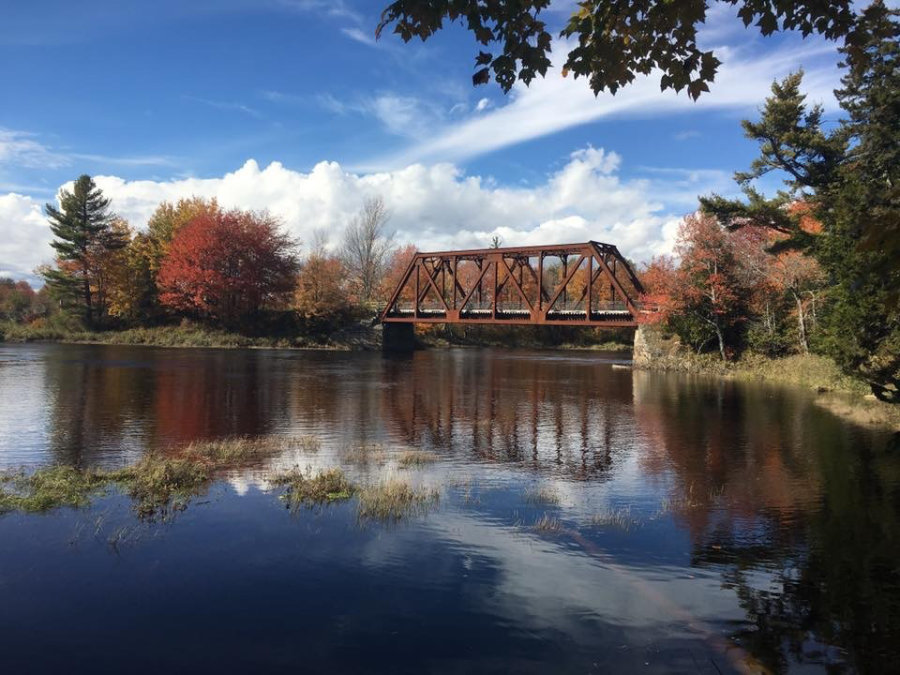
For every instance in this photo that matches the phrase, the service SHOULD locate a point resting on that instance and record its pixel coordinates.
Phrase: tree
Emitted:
(615, 39)
(366, 248)
(168, 218)
(82, 227)
(847, 180)
(17, 300)
(701, 298)
(228, 265)
(321, 294)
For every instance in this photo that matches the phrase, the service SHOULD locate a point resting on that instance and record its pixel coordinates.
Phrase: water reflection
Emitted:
(758, 516)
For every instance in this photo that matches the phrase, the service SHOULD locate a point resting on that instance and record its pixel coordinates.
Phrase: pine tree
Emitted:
(81, 227)
(847, 180)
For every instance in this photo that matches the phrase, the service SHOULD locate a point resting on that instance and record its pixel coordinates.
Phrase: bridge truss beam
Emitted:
(589, 284)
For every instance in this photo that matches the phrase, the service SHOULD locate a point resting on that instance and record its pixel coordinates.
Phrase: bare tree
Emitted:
(366, 247)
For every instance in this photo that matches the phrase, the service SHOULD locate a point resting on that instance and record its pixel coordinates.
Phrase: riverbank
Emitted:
(836, 391)
(353, 337)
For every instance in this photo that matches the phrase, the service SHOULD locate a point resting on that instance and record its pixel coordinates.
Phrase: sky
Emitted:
(294, 106)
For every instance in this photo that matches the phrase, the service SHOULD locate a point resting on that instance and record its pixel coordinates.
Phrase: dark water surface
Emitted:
(697, 525)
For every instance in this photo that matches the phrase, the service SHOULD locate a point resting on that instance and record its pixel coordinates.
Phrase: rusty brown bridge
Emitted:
(588, 284)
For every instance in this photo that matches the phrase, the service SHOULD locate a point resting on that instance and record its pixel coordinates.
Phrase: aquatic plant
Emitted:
(393, 499)
(304, 488)
(615, 518)
(542, 495)
(548, 523)
(412, 458)
(49, 488)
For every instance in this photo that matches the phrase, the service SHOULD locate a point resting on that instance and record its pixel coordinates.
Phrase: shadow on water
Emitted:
(591, 518)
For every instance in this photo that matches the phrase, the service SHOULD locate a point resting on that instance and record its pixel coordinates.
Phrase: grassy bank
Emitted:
(179, 336)
(844, 395)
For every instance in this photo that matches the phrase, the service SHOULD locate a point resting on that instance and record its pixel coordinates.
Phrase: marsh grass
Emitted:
(306, 489)
(416, 458)
(363, 455)
(620, 519)
(159, 484)
(50, 488)
(394, 499)
(542, 495)
(548, 523)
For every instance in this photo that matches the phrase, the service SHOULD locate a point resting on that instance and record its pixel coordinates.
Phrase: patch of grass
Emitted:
(394, 499)
(49, 488)
(412, 458)
(542, 495)
(159, 483)
(619, 519)
(365, 454)
(304, 488)
(162, 485)
(548, 523)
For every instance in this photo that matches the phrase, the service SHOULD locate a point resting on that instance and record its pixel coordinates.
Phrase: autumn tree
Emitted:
(83, 235)
(169, 218)
(366, 247)
(703, 300)
(613, 40)
(322, 297)
(18, 300)
(848, 177)
(395, 268)
(227, 266)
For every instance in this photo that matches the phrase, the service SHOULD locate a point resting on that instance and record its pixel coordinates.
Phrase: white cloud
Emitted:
(433, 207)
(360, 36)
(21, 149)
(555, 103)
(24, 236)
(482, 105)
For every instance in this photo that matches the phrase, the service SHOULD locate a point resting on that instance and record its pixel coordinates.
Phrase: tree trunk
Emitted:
(801, 324)
(721, 343)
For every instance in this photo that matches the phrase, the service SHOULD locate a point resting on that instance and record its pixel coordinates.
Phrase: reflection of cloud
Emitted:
(545, 586)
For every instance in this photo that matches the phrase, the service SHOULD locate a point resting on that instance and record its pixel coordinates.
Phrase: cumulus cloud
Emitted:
(433, 206)
(24, 236)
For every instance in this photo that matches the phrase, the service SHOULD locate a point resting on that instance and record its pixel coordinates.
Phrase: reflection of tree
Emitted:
(572, 415)
(107, 400)
(799, 511)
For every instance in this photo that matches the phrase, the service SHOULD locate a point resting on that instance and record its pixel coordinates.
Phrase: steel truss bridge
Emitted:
(589, 284)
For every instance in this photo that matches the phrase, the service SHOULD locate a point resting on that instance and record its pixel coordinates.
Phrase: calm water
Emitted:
(704, 526)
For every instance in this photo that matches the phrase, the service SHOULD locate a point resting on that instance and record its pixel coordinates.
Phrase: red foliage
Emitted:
(227, 265)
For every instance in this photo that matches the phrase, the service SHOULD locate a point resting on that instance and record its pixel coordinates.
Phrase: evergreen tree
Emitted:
(847, 180)
(81, 227)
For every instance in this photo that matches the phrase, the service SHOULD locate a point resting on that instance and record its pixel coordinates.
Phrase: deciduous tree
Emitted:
(366, 247)
(226, 266)
(614, 40)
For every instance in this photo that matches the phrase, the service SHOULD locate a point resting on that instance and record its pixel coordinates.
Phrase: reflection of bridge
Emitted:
(536, 285)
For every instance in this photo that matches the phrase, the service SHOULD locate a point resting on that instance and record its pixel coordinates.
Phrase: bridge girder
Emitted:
(526, 285)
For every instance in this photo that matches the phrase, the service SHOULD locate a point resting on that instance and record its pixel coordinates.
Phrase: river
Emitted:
(591, 519)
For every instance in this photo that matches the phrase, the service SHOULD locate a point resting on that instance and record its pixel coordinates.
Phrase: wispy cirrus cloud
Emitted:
(226, 105)
(555, 103)
(22, 149)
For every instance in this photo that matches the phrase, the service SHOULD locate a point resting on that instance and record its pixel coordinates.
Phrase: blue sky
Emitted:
(292, 105)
